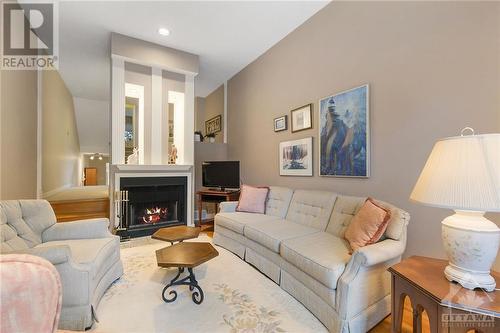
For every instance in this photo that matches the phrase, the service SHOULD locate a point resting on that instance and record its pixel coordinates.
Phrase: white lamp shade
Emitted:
(462, 173)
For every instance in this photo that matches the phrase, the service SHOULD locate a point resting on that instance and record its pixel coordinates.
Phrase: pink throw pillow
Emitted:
(368, 225)
(252, 199)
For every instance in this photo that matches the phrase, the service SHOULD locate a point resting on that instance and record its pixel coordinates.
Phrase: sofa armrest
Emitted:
(379, 252)
(75, 277)
(56, 254)
(83, 229)
(365, 279)
(228, 206)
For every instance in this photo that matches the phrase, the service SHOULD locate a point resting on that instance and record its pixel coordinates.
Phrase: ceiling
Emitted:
(227, 35)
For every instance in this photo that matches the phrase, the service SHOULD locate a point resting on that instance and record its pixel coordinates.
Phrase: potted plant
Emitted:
(198, 137)
(211, 137)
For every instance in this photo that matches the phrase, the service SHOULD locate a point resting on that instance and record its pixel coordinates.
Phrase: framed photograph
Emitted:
(213, 125)
(280, 124)
(302, 118)
(296, 157)
(344, 134)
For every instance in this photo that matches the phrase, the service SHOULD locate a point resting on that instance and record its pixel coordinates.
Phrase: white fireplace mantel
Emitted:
(119, 171)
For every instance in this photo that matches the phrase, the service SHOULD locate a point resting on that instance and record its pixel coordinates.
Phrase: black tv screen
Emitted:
(223, 174)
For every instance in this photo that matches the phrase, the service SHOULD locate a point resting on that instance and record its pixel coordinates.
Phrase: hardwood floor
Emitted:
(407, 327)
(385, 325)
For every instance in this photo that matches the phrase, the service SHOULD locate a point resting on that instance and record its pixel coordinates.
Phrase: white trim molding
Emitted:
(189, 97)
(118, 111)
(156, 115)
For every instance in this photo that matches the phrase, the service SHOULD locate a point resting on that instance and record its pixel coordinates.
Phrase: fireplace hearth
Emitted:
(147, 204)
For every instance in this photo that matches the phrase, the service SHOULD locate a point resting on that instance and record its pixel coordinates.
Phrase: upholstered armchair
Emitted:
(85, 253)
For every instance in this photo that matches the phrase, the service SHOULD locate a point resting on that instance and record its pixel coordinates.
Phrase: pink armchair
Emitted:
(30, 294)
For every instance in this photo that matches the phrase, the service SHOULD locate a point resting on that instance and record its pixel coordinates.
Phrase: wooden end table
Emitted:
(450, 307)
(215, 197)
(185, 255)
(176, 234)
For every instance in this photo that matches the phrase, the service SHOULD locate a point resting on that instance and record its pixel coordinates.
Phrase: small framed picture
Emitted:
(213, 125)
(296, 157)
(302, 118)
(280, 124)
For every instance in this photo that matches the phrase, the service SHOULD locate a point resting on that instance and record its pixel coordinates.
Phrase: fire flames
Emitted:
(154, 215)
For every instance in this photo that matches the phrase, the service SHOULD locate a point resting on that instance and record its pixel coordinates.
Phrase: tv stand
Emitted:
(215, 196)
(221, 190)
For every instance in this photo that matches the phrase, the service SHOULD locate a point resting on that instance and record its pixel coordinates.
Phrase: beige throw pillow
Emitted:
(368, 225)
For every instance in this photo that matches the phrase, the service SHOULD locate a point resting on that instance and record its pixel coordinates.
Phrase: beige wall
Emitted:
(214, 106)
(433, 68)
(60, 145)
(199, 114)
(18, 135)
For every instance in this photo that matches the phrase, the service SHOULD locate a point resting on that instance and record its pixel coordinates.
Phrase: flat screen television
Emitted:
(221, 174)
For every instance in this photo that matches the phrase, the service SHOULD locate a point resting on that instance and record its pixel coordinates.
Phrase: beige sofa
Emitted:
(85, 253)
(299, 244)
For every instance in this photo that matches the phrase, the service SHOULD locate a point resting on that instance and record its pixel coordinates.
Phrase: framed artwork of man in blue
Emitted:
(344, 132)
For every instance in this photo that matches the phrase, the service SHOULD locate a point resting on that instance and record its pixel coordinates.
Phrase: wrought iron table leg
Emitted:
(190, 280)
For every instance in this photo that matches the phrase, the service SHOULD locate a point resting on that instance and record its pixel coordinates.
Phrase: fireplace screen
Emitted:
(152, 202)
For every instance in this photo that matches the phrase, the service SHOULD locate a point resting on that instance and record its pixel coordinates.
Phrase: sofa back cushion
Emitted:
(396, 226)
(278, 201)
(343, 211)
(347, 206)
(22, 223)
(311, 208)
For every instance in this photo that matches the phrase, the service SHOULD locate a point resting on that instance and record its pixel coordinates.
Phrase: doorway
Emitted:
(90, 177)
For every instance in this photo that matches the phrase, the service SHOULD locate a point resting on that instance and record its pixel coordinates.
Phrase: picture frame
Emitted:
(301, 118)
(281, 123)
(295, 157)
(344, 134)
(213, 125)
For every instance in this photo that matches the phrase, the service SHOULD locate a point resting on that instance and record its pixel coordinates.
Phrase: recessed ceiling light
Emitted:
(164, 31)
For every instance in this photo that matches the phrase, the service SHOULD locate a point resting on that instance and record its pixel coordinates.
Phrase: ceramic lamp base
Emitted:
(468, 279)
(471, 242)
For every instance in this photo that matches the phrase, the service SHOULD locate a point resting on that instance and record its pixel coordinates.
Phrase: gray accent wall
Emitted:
(433, 68)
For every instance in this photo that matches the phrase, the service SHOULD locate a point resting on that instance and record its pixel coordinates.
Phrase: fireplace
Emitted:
(147, 204)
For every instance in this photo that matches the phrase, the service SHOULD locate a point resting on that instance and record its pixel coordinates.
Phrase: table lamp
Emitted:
(463, 173)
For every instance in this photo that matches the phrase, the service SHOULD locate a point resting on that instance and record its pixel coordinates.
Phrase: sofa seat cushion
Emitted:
(98, 254)
(238, 220)
(271, 233)
(321, 255)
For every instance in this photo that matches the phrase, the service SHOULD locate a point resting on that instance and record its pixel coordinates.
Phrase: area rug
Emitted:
(238, 298)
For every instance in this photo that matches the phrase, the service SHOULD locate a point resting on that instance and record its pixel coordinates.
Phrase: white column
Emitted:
(156, 115)
(189, 121)
(117, 111)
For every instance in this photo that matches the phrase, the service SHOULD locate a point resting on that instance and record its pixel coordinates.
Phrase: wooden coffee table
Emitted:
(176, 234)
(185, 255)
